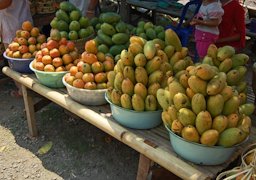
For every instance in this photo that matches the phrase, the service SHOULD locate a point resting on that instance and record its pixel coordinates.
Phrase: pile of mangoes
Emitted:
(90, 71)
(70, 22)
(206, 104)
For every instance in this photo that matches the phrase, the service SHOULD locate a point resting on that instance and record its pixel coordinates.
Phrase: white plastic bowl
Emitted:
(85, 96)
(135, 119)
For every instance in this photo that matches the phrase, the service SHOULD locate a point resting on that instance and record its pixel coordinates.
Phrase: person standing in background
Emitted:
(87, 7)
(232, 28)
(206, 24)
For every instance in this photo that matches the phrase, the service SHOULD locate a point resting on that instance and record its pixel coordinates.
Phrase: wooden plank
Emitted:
(144, 167)
(30, 112)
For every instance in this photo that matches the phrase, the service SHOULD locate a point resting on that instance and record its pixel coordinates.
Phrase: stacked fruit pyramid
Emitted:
(70, 22)
(57, 54)
(206, 103)
(26, 43)
(90, 72)
(113, 34)
(141, 71)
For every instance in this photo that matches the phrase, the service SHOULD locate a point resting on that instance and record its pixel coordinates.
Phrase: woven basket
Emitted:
(45, 6)
(81, 42)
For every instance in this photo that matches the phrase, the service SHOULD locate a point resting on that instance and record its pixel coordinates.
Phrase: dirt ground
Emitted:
(79, 151)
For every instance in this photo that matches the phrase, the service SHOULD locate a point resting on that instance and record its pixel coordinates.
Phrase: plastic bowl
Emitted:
(199, 153)
(19, 65)
(85, 96)
(134, 119)
(49, 79)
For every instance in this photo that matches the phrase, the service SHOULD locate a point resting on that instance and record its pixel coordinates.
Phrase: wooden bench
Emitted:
(153, 144)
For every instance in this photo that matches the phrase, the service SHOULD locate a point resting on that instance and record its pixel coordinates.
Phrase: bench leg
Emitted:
(144, 167)
(30, 112)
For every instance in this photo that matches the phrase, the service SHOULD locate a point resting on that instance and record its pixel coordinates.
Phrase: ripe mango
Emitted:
(160, 42)
(207, 60)
(152, 88)
(155, 77)
(220, 123)
(205, 72)
(169, 51)
(209, 137)
(190, 134)
(245, 124)
(111, 78)
(167, 75)
(215, 105)
(140, 60)
(180, 100)
(119, 67)
(129, 73)
(176, 127)
(141, 90)
(242, 71)
(127, 58)
(127, 87)
(141, 75)
(227, 93)
(149, 49)
(231, 105)
(138, 103)
(165, 67)
(163, 98)
(171, 38)
(225, 52)
(174, 88)
(175, 57)
(135, 48)
(126, 101)
(212, 51)
(242, 97)
(203, 122)
(137, 39)
(150, 103)
(184, 52)
(190, 93)
(153, 64)
(179, 65)
(239, 59)
(231, 137)
(160, 53)
(186, 116)
(197, 84)
(172, 111)
(189, 61)
(225, 65)
(178, 74)
(116, 97)
(233, 77)
(216, 84)
(184, 80)
(166, 119)
(118, 81)
(198, 103)
(232, 120)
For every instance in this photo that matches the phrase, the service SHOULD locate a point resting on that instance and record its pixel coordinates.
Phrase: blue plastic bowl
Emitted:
(199, 153)
(49, 79)
(134, 119)
(19, 65)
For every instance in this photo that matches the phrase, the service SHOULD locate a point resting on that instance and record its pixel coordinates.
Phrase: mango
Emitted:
(190, 134)
(138, 103)
(167, 75)
(141, 90)
(231, 105)
(203, 122)
(216, 84)
(129, 73)
(141, 75)
(212, 51)
(215, 105)
(231, 137)
(245, 124)
(120, 38)
(186, 116)
(243, 98)
(233, 77)
(111, 78)
(171, 38)
(152, 88)
(107, 29)
(190, 93)
(220, 123)
(242, 71)
(127, 58)
(239, 59)
(184, 52)
(155, 77)
(198, 103)
(140, 60)
(207, 60)
(126, 101)
(149, 49)
(166, 119)
(153, 64)
(232, 120)
(163, 98)
(180, 100)
(227, 93)
(108, 93)
(160, 53)
(135, 48)
(247, 109)
(119, 67)
(189, 61)
(209, 137)
(172, 111)
(165, 67)
(197, 84)
(116, 97)
(205, 72)
(191, 70)
(178, 74)
(127, 87)
(169, 51)
(179, 65)
(160, 42)
(174, 88)
(184, 80)
(176, 127)
(150, 103)
(175, 58)
(225, 65)
(225, 52)
(118, 81)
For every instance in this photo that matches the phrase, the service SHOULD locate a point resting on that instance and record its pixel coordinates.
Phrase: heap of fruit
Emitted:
(149, 31)
(113, 34)
(90, 72)
(26, 42)
(70, 22)
(141, 71)
(57, 54)
(206, 104)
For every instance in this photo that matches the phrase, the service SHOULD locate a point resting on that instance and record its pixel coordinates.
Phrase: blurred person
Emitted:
(87, 7)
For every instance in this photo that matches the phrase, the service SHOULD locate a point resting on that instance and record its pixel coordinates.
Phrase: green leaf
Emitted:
(45, 148)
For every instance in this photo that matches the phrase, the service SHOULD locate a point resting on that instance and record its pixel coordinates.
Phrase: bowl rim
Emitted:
(80, 89)
(16, 59)
(129, 110)
(202, 145)
(44, 72)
